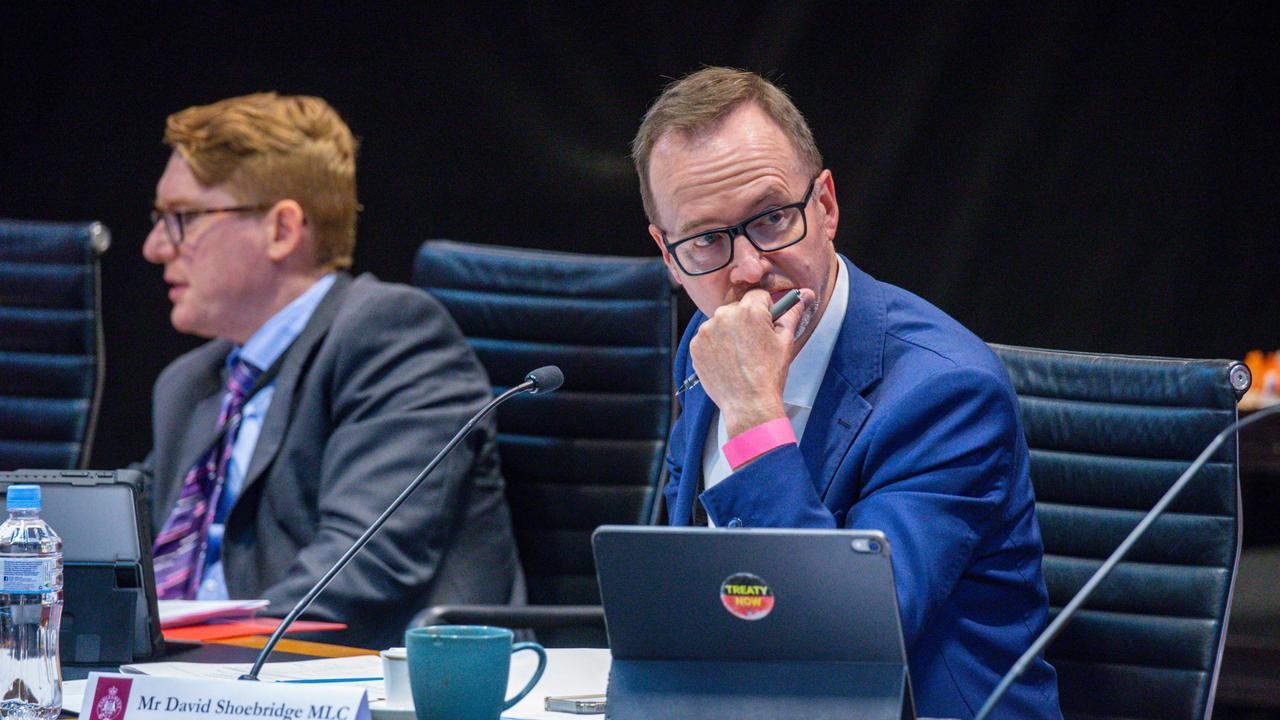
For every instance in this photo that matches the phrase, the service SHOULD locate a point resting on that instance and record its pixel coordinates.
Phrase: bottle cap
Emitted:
(23, 497)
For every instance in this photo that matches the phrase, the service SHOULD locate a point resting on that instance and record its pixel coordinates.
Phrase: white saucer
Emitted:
(379, 710)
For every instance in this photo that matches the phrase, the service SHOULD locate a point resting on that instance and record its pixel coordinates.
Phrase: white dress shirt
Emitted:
(261, 350)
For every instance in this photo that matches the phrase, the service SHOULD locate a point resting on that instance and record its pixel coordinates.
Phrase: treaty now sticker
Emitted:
(747, 596)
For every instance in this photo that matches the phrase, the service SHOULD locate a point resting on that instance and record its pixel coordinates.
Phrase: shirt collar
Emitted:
(276, 335)
(804, 377)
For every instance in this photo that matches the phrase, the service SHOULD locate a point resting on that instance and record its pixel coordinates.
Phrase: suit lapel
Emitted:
(825, 444)
(697, 417)
(292, 374)
(856, 364)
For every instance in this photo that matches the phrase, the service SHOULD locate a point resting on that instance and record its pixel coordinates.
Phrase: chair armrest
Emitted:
(534, 617)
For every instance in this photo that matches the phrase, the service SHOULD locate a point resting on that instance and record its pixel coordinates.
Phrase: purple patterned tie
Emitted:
(180, 546)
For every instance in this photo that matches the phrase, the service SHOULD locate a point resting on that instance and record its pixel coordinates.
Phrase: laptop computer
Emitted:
(109, 594)
(719, 622)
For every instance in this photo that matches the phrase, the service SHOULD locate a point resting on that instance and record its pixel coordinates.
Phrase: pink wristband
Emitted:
(751, 444)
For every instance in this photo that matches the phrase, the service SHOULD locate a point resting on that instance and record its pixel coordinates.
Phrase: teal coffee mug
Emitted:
(460, 671)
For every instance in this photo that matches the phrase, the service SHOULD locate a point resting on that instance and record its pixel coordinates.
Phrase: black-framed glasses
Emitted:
(175, 221)
(768, 231)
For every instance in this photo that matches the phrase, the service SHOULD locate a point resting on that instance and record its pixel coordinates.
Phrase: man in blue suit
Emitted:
(862, 407)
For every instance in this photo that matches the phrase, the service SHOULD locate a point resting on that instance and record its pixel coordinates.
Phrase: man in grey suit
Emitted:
(319, 396)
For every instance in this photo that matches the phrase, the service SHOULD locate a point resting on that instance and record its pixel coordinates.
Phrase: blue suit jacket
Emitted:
(914, 432)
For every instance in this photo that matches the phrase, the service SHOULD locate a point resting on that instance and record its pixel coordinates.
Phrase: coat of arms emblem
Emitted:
(110, 706)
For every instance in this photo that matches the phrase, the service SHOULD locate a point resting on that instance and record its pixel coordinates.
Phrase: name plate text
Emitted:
(114, 696)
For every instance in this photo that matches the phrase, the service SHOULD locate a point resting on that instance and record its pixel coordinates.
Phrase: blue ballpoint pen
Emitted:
(330, 680)
(785, 303)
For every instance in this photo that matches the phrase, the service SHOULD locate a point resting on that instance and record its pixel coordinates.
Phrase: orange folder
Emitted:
(221, 630)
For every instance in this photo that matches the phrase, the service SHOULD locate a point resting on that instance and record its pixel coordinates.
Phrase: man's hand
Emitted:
(741, 356)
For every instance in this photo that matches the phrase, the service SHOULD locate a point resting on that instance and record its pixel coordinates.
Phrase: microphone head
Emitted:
(545, 379)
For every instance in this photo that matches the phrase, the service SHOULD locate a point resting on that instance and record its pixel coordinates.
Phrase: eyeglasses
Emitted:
(175, 221)
(768, 231)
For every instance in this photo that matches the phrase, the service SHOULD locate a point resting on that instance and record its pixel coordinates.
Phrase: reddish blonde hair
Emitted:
(267, 147)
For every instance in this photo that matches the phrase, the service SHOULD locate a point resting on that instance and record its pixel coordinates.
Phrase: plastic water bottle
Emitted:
(30, 610)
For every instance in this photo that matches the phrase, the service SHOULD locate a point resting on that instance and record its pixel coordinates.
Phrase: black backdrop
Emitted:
(1051, 174)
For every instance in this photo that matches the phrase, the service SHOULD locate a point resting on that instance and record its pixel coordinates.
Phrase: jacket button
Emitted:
(735, 522)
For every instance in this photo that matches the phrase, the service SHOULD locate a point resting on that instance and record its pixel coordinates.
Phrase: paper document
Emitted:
(360, 666)
(73, 695)
(176, 613)
(113, 696)
(570, 671)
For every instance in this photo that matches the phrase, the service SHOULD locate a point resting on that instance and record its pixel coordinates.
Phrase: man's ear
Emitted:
(672, 268)
(826, 191)
(288, 230)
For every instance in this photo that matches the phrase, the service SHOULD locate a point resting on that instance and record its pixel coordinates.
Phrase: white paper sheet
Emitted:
(326, 668)
(359, 666)
(177, 613)
(73, 695)
(569, 672)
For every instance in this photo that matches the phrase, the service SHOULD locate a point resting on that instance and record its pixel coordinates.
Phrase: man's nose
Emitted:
(157, 248)
(749, 264)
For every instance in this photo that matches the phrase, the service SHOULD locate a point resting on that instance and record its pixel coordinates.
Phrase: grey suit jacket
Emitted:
(375, 385)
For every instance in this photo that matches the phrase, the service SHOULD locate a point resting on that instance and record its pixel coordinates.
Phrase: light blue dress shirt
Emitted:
(261, 350)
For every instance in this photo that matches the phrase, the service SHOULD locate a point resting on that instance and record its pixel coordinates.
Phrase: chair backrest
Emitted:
(1108, 435)
(50, 342)
(592, 453)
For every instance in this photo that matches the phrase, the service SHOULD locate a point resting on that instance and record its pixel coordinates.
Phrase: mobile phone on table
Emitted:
(576, 704)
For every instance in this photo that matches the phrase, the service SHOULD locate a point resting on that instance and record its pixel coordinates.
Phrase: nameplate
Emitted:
(113, 696)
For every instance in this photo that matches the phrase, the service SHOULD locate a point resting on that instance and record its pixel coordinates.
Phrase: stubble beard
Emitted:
(805, 320)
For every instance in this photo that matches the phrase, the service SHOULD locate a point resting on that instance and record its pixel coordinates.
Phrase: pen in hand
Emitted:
(785, 303)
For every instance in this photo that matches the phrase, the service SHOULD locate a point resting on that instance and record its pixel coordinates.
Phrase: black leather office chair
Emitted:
(50, 342)
(1108, 435)
(592, 453)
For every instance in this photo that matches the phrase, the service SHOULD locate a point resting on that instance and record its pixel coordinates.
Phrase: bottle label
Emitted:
(30, 575)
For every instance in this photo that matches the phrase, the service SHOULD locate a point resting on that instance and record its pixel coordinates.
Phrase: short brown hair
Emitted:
(267, 147)
(700, 101)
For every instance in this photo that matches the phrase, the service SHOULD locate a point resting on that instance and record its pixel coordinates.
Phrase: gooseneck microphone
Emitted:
(1070, 609)
(542, 381)
(546, 379)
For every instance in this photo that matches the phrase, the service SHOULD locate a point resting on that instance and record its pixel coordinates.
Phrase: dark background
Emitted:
(1078, 177)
